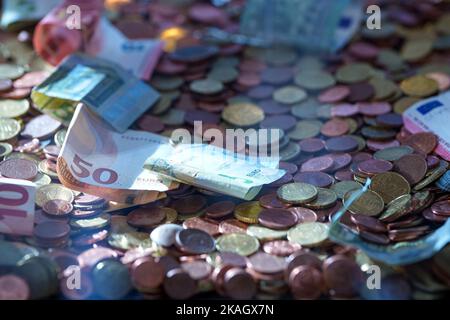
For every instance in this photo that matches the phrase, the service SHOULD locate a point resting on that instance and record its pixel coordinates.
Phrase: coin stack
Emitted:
(339, 122)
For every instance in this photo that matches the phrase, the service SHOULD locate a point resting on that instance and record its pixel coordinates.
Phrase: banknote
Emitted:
(432, 115)
(17, 14)
(97, 156)
(401, 253)
(312, 25)
(111, 92)
(17, 206)
(137, 56)
(54, 39)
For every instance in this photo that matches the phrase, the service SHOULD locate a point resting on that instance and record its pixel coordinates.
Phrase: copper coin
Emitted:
(422, 142)
(58, 207)
(364, 50)
(271, 201)
(322, 163)
(232, 226)
(5, 85)
(343, 175)
(30, 79)
(432, 161)
(220, 209)
(13, 288)
(179, 285)
(51, 230)
(189, 204)
(441, 208)
(344, 110)
(431, 216)
(265, 263)
(340, 161)
(373, 109)
(88, 239)
(334, 94)
(147, 274)
(289, 167)
(282, 248)
(90, 257)
(342, 276)
(334, 127)
(312, 145)
(302, 258)
(378, 238)
(304, 215)
(231, 259)
(376, 145)
(318, 179)
(374, 166)
(368, 223)
(18, 169)
(21, 93)
(277, 218)
(197, 269)
(412, 167)
(271, 107)
(209, 226)
(306, 282)
(360, 92)
(283, 122)
(146, 217)
(341, 144)
(194, 241)
(238, 284)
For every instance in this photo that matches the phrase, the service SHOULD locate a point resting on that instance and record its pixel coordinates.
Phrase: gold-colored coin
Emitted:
(128, 240)
(390, 185)
(384, 88)
(325, 198)
(433, 176)
(310, 234)
(98, 222)
(419, 86)
(239, 243)
(53, 191)
(20, 155)
(248, 212)
(396, 208)
(342, 187)
(182, 217)
(13, 108)
(5, 149)
(60, 136)
(42, 179)
(243, 114)
(289, 95)
(297, 192)
(171, 215)
(369, 203)
(265, 234)
(416, 49)
(9, 128)
(42, 166)
(354, 72)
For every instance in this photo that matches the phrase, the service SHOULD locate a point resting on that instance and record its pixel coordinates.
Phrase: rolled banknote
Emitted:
(401, 253)
(432, 115)
(111, 92)
(18, 14)
(59, 35)
(96, 156)
(312, 25)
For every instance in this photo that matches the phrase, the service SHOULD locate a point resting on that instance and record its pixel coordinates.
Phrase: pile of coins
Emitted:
(339, 119)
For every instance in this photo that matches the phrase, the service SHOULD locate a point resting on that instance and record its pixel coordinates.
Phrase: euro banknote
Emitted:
(97, 156)
(111, 92)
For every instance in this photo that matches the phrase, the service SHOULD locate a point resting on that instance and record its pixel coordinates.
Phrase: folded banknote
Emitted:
(111, 92)
(97, 156)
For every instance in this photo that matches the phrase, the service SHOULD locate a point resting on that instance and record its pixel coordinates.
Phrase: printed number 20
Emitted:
(81, 169)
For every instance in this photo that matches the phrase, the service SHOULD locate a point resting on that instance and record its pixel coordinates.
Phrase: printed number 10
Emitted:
(81, 169)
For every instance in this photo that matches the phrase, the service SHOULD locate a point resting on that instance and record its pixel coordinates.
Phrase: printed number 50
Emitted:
(82, 168)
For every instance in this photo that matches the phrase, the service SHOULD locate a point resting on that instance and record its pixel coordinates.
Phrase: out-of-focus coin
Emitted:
(18, 169)
(243, 114)
(57, 207)
(314, 80)
(419, 86)
(289, 95)
(422, 142)
(9, 128)
(308, 234)
(277, 218)
(265, 234)
(13, 108)
(147, 217)
(393, 153)
(412, 167)
(354, 72)
(194, 241)
(265, 263)
(248, 212)
(206, 86)
(325, 198)
(13, 287)
(10, 71)
(240, 243)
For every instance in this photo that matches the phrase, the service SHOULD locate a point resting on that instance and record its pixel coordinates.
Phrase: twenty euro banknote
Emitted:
(111, 92)
(96, 156)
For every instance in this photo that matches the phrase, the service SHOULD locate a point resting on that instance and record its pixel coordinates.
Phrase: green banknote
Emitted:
(111, 92)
